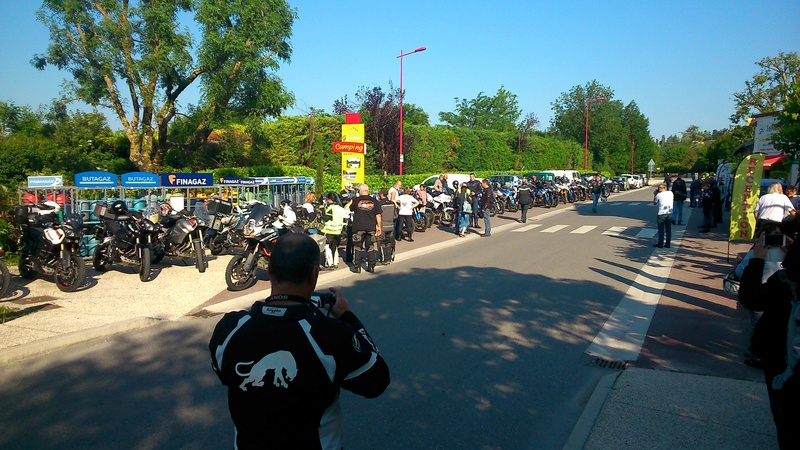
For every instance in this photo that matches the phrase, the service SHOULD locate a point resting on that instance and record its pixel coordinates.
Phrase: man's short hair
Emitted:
(293, 258)
(383, 192)
(775, 188)
(364, 188)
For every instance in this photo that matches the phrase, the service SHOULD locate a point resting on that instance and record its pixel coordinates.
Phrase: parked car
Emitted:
(634, 181)
(644, 178)
(503, 178)
(623, 183)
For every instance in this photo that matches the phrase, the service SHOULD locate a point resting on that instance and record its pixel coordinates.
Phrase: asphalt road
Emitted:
(485, 340)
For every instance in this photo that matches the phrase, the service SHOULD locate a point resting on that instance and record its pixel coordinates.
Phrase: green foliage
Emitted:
(787, 139)
(770, 88)
(137, 59)
(497, 113)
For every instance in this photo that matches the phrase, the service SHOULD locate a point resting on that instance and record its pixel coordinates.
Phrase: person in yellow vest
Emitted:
(333, 217)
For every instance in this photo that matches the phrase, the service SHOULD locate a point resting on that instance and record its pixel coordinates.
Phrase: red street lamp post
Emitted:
(417, 50)
(586, 139)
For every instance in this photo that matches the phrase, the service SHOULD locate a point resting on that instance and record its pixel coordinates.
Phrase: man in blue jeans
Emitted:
(663, 199)
(597, 190)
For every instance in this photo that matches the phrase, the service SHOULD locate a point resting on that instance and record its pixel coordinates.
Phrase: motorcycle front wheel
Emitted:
(6, 279)
(145, 263)
(70, 278)
(101, 260)
(236, 277)
(216, 244)
(199, 256)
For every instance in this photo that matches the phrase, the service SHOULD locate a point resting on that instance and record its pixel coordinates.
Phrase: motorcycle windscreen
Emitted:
(259, 212)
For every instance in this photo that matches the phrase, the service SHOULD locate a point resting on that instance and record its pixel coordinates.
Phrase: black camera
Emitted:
(320, 299)
(773, 240)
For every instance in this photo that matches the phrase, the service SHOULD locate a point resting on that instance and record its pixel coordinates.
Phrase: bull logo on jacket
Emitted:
(281, 363)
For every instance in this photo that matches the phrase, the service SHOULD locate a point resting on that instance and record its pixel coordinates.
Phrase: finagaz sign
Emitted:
(350, 147)
(187, 180)
(95, 180)
(45, 181)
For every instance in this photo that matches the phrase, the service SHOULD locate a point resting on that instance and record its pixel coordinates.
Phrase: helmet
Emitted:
(285, 203)
(51, 207)
(166, 209)
(455, 184)
(119, 207)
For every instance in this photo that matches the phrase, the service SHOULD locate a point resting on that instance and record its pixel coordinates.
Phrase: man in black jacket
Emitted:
(524, 198)
(475, 189)
(386, 242)
(284, 361)
(487, 200)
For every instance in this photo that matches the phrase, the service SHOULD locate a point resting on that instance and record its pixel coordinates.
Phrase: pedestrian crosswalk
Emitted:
(640, 232)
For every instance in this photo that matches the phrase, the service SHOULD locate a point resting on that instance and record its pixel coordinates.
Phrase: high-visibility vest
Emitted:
(335, 225)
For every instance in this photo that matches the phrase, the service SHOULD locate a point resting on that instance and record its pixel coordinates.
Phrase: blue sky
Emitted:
(680, 61)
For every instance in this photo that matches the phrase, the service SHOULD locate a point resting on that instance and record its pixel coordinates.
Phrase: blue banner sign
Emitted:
(95, 180)
(139, 179)
(187, 180)
(46, 181)
(237, 180)
(283, 180)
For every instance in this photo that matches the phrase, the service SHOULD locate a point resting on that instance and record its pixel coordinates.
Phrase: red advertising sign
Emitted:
(349, 147)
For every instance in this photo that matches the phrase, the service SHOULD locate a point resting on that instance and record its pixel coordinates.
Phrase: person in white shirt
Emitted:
(395, 191)
(772, 207)
(663, 199)
(405, 208)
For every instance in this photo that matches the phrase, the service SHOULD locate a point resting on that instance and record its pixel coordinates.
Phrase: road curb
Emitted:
(47, 345)
(583, 428)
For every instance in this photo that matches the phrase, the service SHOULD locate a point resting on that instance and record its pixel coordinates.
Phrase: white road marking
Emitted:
(554, 228)
(584, 229)
(646, 233)
(614, 231)
(623, 334)
(526, 228)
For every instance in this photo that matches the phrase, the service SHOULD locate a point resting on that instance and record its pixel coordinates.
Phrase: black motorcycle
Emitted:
(5, 281)
(181, 236)
(224, 228)
(49, 246)
(261, 232)
(125, 237)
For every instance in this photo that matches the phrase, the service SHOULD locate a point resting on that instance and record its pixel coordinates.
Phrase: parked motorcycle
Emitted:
(509, 195)
(181, 236)
(423, 218)
(224, 229)
(442, 208)
(125, 237)
(5, 281)
(49, 246)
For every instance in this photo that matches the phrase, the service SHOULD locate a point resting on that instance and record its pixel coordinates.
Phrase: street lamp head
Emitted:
(420, 49)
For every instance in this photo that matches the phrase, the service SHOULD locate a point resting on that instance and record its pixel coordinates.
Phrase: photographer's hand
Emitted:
(341, 306)
(759, 250)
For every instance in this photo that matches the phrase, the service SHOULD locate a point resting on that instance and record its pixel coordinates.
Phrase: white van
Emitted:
(460, 177)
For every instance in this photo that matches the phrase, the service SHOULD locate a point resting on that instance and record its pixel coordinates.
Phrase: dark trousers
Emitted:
(386, 245)
(664, 222)
(363, 242)
(708, 217)
(475, 206)
(525, 207)
(406, 222)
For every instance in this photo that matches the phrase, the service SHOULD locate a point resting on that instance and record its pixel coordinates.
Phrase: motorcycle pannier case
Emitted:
(179, 232)
(21, 214)
(219, 206)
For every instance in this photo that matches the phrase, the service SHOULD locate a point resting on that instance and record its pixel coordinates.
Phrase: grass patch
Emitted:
(8, 313)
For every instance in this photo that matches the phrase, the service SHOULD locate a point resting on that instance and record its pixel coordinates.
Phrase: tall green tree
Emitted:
(136, 58)
(770, 88)
(499, 112)
(787, 139)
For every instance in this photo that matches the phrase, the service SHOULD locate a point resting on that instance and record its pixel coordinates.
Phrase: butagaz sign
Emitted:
(95, 180)
(139, 179)
(187, 180)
